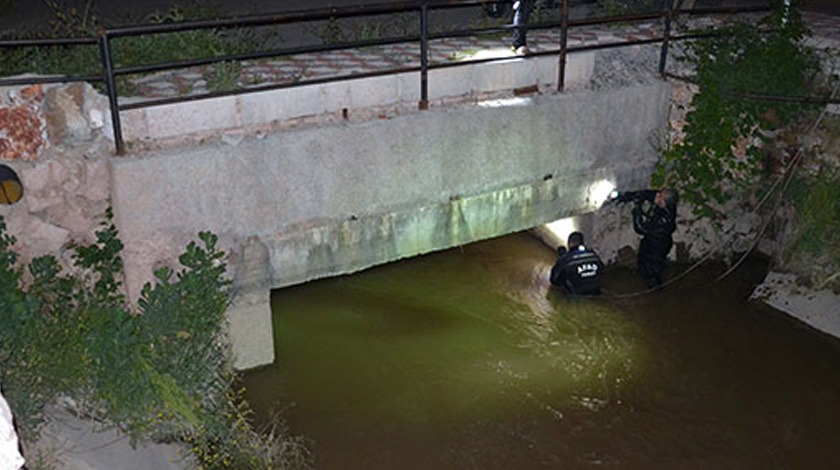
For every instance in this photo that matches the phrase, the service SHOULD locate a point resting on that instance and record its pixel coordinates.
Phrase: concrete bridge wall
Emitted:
(309, 203)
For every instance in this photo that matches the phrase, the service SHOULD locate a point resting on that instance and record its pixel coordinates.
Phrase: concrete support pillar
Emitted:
(249, 315)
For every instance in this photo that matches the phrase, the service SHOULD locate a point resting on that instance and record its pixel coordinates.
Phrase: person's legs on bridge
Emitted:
(521, 13)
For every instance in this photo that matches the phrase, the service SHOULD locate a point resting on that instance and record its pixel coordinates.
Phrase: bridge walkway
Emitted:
(349, 62)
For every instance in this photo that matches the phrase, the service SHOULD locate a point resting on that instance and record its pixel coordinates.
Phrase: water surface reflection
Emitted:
(468, 360)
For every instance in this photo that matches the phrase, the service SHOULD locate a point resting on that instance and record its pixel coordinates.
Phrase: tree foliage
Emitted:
(748, 77)
(163, 371)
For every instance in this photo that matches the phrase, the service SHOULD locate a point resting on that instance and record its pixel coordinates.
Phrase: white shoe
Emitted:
(522, 50)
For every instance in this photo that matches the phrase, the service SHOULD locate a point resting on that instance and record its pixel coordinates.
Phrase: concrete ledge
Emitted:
(71, 443)
(191, 117)
(579, 69)
(816, 308)
(278, 105)
(373, 92)
(505, 75)
(449, 82)
(261, 109)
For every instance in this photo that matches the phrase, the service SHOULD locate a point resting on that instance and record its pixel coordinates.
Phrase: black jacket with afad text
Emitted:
(578, 272)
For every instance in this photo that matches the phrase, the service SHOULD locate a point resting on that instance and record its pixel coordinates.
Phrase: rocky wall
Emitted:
(57, 141)
(786, 288)
(53, 138)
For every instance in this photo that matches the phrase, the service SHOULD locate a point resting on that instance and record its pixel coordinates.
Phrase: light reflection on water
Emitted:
(467, 359)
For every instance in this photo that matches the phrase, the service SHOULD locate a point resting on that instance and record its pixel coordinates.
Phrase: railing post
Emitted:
(424, 56)
(564, 39)
(666, 36)
(110, 84)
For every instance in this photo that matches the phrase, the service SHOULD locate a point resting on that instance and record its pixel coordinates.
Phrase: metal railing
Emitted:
(110, 72)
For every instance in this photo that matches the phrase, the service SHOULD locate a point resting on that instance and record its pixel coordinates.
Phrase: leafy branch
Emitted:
(727, 135)
(164, 372)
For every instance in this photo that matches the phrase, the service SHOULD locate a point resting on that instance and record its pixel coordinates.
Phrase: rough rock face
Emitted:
(64, 111)
(52, 138)
(818, 308)
(22, 124)
(610, 229)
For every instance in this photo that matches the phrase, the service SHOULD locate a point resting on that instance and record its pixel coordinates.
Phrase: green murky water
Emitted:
(468, 360)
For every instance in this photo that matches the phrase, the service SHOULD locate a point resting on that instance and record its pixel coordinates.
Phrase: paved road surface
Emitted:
(25, 15)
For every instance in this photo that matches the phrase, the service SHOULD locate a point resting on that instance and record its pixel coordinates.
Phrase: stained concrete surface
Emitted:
(71, 443)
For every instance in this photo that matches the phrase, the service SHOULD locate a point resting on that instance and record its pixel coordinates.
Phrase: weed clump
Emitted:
(161, 370)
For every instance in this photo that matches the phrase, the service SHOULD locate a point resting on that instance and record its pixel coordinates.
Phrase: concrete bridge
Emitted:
(322, 180)
(338, 196)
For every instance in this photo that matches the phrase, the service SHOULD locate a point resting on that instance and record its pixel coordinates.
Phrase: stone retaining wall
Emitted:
(52, 137)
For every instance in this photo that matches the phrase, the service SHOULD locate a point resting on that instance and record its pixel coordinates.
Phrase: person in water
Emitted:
(655, 219)
(578, 271)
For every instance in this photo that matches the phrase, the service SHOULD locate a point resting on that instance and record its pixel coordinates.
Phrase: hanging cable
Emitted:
(786, 177)
(784, 180)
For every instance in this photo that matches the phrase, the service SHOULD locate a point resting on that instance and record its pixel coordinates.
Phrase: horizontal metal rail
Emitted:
(260, 55)
(48, 42)
(58, 42)
(39, 80)
(722, 10)
(274, 86)
(108, 37)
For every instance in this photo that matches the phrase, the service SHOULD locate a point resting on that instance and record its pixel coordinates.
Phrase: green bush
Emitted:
(127, 51)
(746, 132)
(52, 60)
(42, 340)
(817, 202)
(344, 30)
(605, 8)
(224, 76)
(161, 371)
(741, 62)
